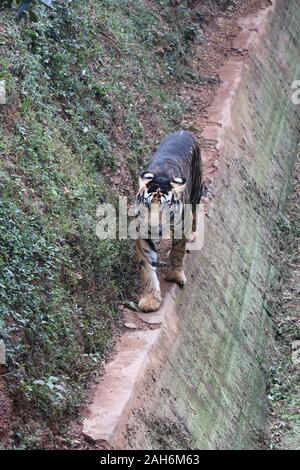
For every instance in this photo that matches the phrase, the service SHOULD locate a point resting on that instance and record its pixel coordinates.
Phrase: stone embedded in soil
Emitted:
(2, 353)
(131, 326)
(296, 353)
(2, 92)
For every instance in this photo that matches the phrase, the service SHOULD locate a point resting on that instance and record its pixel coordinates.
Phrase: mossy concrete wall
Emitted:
(207, 387)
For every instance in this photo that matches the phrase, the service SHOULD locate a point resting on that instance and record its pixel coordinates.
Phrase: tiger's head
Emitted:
(159, 190)
(158, 204)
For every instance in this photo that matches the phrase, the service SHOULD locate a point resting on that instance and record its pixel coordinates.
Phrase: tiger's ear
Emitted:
(178, 184)
(144, 179)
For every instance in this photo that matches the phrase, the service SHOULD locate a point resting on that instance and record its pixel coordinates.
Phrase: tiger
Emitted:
(172, 178)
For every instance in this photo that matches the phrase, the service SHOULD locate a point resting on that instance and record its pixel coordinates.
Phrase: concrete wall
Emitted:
(207, 387)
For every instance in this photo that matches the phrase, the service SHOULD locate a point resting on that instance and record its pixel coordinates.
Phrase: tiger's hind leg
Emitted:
(192, 237)
(147, 260)
(195, 213)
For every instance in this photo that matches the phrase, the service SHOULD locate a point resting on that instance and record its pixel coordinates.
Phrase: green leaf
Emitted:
(48, 3)
(39, 382)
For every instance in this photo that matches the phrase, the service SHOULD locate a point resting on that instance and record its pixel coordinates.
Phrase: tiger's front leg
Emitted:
(147, 260)
(175, 266)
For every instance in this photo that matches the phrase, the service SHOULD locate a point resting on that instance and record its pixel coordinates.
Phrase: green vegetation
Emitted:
(76, 77)
(284, 379)
(23, 8)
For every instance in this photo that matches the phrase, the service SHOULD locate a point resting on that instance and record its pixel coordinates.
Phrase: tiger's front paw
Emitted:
(149, 303)
(176, 276)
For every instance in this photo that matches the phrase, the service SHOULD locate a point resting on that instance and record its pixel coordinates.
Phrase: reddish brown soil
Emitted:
(5, 414)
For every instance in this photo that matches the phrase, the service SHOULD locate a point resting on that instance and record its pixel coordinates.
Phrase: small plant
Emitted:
(24, 7)
(51, 391)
